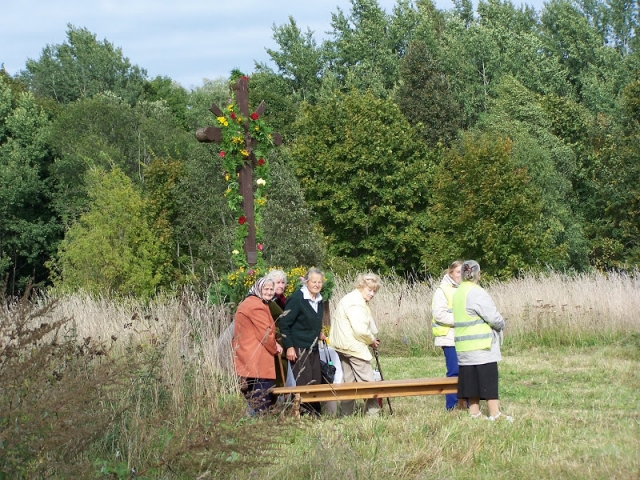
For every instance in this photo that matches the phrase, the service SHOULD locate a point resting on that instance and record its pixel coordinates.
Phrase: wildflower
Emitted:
(233, 115)
(254, 116)
(242, 220)
(235, 252)
(223, 121)
(230, 107)
(260, 246)
(261, 181)
(261, 162)
(226, 176)
(222, 154)
(244, 153)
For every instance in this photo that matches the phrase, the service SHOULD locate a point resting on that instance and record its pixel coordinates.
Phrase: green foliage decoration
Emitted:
(235, 155)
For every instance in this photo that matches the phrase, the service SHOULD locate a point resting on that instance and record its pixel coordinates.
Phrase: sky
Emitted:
(186, 40)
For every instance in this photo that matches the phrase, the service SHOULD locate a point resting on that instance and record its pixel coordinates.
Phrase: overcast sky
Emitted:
(186, 40)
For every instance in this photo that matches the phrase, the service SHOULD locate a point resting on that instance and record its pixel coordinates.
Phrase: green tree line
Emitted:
(411, 138)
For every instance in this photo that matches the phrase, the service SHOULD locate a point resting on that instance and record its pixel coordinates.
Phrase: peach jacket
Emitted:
(254, 340)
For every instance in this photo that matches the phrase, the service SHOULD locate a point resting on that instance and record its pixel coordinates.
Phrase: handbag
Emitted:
(327, 367)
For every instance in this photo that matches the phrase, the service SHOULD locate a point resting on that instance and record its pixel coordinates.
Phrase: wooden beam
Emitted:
(364, 390)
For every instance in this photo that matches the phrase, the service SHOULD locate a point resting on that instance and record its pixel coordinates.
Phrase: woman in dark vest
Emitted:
(301, 330)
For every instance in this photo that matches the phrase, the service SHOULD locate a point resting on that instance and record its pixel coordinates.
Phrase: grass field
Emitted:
(576, 416)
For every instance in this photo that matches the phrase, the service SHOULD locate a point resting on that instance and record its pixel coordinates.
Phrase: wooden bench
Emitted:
(364, 390)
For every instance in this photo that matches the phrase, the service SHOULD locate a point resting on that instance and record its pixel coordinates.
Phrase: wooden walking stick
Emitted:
(375, 353)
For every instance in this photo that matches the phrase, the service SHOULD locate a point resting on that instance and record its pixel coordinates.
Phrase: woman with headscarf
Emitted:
(254, 346)
(442, 324)
(478, 332)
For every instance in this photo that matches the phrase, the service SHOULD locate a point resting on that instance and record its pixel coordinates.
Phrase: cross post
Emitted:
(214, 135)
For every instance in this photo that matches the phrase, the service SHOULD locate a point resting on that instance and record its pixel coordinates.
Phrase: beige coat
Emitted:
(352, 327)
(254, 340)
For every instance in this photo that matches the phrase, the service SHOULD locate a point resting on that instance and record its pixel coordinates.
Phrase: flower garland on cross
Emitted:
(245, 140)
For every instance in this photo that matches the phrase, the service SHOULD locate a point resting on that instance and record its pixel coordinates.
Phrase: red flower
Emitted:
(245, 77)
(221, 154)
(261, 162)
(254, 116)
(260, 247)
(242, 220)
(233, 115)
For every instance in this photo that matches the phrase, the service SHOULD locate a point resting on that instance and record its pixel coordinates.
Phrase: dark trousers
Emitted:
(258, 393)
(306, 371)
(451, 359)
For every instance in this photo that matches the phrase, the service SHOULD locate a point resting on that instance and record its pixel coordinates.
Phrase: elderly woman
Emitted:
(280, 279)
(478, 326)
(254, 346)
(301, 330)
(442, 324)
(353, 331)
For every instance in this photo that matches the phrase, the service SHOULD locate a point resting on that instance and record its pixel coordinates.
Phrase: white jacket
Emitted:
(352, 327)
(443, 314)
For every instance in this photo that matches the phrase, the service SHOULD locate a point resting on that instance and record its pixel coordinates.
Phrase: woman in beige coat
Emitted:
(353, 331)
(254, 346)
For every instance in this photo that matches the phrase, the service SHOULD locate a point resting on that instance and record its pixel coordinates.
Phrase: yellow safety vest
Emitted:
(471, 332)
(437, 329)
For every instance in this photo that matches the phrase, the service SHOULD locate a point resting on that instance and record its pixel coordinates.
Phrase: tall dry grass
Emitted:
(536, 307)
(197, 335)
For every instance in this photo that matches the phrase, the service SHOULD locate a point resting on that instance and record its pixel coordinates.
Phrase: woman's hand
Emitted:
(278, 349)
(322, 337)
(375, 344)
(291, 354)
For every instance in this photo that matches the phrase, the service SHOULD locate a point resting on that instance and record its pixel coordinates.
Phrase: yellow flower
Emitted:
(235, 252)
(244, 153)
(230, 108)
(237, 140)
(261, 201)
(223, 121)
(257, 128)
(227, 192)
(226, 176)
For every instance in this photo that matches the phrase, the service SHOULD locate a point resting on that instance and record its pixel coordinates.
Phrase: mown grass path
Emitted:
(577, 416)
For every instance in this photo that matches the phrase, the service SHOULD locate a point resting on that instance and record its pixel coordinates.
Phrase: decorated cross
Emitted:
(245, 137)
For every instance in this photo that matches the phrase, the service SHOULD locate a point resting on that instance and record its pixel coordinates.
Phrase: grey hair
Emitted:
(370, 280)
(277, 275)
(312, 271)
(470, 271)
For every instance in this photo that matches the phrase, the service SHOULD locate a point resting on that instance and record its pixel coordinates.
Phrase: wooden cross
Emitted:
(214, 134)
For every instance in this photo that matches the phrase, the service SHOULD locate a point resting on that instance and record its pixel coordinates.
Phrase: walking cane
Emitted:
(375, 353)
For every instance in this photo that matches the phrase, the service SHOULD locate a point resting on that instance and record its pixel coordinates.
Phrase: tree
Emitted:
(485, 207)
(29, 229)
(291, 235)
(424, 96)
(299, 59)
(98, 131)
(83, 67)
(361, 51)
(365, 173)
(112, 248)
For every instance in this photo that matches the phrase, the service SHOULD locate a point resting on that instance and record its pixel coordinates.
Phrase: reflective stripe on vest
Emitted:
(437, 329)
(471, 332)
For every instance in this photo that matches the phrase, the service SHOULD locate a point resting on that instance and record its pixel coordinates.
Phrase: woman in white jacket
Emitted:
(442, 325)
(353, 331)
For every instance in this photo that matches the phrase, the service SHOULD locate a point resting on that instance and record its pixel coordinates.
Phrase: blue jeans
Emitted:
(451, 358)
